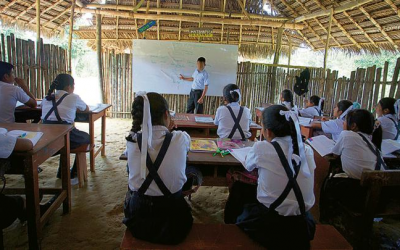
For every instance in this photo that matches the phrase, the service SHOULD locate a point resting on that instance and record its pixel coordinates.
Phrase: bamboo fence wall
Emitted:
(259, 85)
(22, 54)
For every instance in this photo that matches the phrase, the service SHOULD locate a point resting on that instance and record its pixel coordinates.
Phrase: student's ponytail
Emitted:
(50, 95)
(377, 135)
(293, 135)
(61, 82)
(231, 93)
(287, 96)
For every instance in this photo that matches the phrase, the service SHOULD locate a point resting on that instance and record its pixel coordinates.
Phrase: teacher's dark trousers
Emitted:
(192, 104)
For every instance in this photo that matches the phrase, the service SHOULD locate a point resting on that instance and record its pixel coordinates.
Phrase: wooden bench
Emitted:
(81, 164)
(222, 236)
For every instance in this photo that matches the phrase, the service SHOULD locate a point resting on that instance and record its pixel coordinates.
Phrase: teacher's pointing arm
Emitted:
(189, 79)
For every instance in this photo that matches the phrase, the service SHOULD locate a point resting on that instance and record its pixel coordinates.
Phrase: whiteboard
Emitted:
(156, 65)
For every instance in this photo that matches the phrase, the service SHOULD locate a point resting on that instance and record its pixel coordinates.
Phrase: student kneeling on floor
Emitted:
(281, 219)
(155, 208)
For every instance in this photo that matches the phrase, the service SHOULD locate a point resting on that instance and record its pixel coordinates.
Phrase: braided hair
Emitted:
(287, 96)
(61, 82)
(277, 123)
(158, 107)
(231, 97)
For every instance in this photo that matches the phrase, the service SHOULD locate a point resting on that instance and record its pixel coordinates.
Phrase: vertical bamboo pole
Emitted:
(222, 25)
(327, 39)
(38, 65)
(180, 22)
(384, 80)
(278, 46)
(71, 28)
(99, 55)
(290, 50)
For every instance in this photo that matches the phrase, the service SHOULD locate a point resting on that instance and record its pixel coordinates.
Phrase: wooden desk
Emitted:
(187, 121)
(55, 138)
(89, 117)
(307, 131)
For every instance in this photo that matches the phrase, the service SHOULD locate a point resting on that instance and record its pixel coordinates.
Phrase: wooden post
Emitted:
(327, 40)
(71, 29)
(290, 50)
(99, 55)
(278, 46)
(38, 64)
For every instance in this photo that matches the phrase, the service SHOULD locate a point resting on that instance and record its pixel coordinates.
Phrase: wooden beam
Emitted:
(158, 21)
(360, 28)
(306, 39)
(194, 19)
(393, 6)
(325, 12)
(222, 25)
(8, 5)
(243, 7)
(327, 40)
(379, 27)
(259, 33)
(180, 22)
(135, 9)
(117, 25)
(58, 16)
(186, 11)
(99, 55)
(203, 2)
(278, 48)
(39, 84)
(23, 13)
(136, 25)
(71, 30)
(49, 8)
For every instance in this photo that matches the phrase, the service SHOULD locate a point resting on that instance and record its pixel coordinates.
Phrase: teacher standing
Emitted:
(199, 87)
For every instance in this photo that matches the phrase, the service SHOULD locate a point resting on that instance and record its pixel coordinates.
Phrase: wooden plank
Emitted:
(394, 79)
(384, 80)
(377, 88)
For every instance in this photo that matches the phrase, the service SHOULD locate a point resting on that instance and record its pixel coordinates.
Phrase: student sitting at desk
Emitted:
(287, 99)
(314, 107)
(387, 111)
(233, 120)
(281, 219)
(61, 107)
(11, 94)
(359, 148)
(155, 208)
(335, 127)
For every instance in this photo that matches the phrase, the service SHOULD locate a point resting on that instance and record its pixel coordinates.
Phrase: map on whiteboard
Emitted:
(156, 65)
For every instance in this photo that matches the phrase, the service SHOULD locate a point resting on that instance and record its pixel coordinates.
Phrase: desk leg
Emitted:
(103, 134)
(65, 174)
(32, 203)
(91, 133)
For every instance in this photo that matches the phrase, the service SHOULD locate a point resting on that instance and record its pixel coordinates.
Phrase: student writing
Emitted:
(11, 94)
(233, 120)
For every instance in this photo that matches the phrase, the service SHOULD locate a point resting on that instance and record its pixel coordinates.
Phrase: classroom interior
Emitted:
(88, 212)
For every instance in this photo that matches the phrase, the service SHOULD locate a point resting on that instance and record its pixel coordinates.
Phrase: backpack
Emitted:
(301, 86)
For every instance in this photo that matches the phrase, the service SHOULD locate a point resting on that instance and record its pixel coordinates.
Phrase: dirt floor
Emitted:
(97, 208)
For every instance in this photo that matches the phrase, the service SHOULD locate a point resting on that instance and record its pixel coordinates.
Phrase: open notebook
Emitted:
(203, 119)
(322, 144)
(240, 154)
(34, 137)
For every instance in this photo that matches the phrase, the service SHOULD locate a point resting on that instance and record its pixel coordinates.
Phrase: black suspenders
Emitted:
(379, 160)
(397, 128)
(292, 183)
(153, 167)
(319, 111)
(237, 123)
(55, 109)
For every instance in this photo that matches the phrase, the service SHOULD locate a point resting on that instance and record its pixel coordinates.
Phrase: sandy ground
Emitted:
(97, 208)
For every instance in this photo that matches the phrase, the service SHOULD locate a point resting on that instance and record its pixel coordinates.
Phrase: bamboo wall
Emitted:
(22, 54)
(259, 85)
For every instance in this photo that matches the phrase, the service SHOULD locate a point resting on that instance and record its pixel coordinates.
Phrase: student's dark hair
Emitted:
(388, 103)
(231, 97)
(287, 96)
(365, 123)
(201, 59)
(5, 69)
(278, 124)
(61, 82)
(158, 106)
(315, 100)
(343, 105)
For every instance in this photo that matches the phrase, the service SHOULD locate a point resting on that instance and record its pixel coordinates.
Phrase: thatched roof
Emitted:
(368, 25)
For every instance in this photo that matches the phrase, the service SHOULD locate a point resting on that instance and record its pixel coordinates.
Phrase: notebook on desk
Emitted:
(204, 119)
(34, 137)
(203, 145)
(322, 144)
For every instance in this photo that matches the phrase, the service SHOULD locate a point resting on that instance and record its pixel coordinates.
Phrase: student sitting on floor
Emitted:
(61, 107)
(314, 107)
(11, 94)
(233, 120)
(335, 127)
(281, 219)
(287, 99)
(155, 208)
(387, 111)
(357, 151)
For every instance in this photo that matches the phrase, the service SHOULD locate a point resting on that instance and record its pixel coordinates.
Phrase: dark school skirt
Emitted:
(275, 231)
(158, 219)
(77, 138)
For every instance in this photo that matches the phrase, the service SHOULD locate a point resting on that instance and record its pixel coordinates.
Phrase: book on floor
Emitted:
(34, 137)
(203, 145)
(204, 119)
(322, 144)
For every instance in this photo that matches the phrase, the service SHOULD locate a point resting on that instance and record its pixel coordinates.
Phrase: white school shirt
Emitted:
(9, 95)
(389, 130)
(172, 168)
(288, 105)
(7, 144)
(200, 79)
(309, 112)
(224, 121)
(354, 154)
(67, 108)
(333, 127)
(272, 178)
